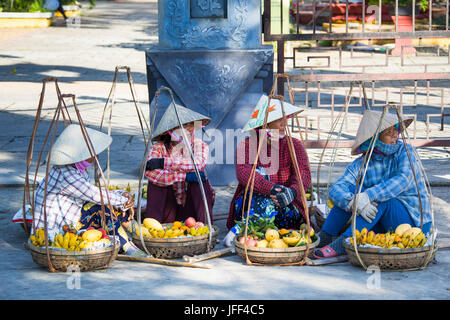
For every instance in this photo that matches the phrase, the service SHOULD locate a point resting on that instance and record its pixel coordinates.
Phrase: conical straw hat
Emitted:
(169, 119)
(369, 124)
(70, 146)
(275, 112)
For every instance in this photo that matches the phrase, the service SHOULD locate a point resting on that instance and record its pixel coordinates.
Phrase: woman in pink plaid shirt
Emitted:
(174, 192)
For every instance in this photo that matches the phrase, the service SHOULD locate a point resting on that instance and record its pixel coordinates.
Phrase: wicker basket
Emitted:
(315, 212)
(392, 259)
(172, 248)
(85, 260)
(273, 256)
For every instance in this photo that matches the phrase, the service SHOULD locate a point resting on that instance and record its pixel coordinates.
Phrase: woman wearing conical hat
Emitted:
(389, 194)
(71, 199)
(276, 192)
(174, 192)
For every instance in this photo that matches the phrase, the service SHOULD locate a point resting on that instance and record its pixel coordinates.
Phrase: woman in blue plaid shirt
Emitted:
(389, 195)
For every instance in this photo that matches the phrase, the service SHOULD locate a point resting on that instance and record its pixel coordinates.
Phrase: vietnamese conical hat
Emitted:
(275, 112)
(70, 146)
(369, 124)
(169, 119)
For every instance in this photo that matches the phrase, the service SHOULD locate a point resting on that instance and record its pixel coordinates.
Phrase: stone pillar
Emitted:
(210, 55)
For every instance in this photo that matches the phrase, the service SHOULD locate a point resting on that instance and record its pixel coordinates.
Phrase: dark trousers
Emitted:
(162, 205)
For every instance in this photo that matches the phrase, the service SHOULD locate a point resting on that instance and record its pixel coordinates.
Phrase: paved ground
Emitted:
(83, 59)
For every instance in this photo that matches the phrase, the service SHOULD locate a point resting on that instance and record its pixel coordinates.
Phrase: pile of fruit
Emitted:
(264, 234)
(118, 187)
(404, 237)
(152, 228)
(69, 239)
(144, 192)
(310, 192)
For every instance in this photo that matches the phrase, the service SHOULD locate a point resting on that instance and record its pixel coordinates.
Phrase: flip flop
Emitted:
(326, 251)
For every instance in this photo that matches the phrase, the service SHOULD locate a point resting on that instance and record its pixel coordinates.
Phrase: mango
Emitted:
(402, 228)
(152, 223)
(277, 244)
(262, 244)
(92, 235)
(272, 234)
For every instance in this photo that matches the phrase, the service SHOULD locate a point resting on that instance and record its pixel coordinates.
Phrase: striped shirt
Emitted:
(67, 191)
(387, 177)
(177, 163)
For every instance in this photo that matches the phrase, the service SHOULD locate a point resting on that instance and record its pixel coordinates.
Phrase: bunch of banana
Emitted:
(69, 241)
(38, 239)
(412, 238)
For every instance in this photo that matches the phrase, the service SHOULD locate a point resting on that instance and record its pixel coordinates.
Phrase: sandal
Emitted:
(327, 252)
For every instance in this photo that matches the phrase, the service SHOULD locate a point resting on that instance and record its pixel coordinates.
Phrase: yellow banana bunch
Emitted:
(69, 241)
(364, 233)
(377, 239)
(410, 239)
(38, 239)
(370, 237)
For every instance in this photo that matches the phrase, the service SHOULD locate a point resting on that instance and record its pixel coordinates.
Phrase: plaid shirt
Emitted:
(285, 175)
(176, 163)
(387, 177)
(67, 191)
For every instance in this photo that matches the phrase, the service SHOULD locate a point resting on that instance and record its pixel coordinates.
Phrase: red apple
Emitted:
(251, 242)
(90, 228)
(103, 231)
(190, 222)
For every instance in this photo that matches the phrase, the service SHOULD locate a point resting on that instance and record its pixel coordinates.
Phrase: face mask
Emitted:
(176, 136)
(387, 149)
(82, 165)
(274, 133)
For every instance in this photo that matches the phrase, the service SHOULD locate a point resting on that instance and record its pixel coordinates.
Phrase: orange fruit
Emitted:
(176, 225)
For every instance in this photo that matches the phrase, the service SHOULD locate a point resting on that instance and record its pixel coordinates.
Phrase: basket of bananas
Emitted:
(90, 250)
(173, 240)
(407, 248)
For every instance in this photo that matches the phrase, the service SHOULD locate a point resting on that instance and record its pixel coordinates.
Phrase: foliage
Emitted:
(257, 225)
(33, 5)
(22, 5)
(423, 4)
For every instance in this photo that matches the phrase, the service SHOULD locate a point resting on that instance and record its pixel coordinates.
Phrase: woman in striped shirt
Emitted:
(67, 197)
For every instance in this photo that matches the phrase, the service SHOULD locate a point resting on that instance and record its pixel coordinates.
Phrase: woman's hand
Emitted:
(273, 194)
(130, 202)
(154, 163)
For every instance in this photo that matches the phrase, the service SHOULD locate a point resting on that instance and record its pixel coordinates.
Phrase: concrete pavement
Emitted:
(83, 59)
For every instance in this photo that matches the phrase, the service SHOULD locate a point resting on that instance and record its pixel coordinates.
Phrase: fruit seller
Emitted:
(389, 195)
(276, 189)
(71, 198)
(174, 192)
